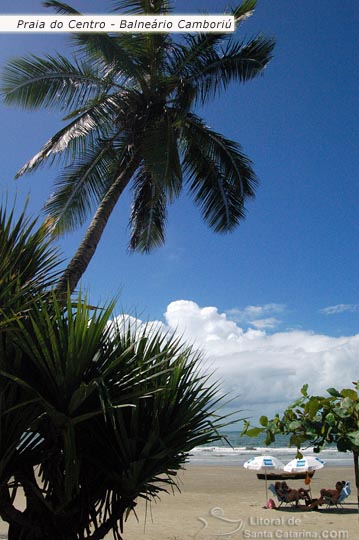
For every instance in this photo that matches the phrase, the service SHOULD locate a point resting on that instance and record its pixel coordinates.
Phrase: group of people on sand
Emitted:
(294, 495)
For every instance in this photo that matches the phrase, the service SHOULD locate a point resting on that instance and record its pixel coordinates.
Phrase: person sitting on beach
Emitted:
(325, 494)
(303, 493)
(290, 494)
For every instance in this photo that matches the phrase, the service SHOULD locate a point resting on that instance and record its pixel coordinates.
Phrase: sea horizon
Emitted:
(239, 449)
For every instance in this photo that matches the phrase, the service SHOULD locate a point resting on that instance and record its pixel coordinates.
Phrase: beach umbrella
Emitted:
(304, 464)
(264, 463)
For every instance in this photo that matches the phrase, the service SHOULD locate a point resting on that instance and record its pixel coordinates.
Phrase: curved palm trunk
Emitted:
(80, 261)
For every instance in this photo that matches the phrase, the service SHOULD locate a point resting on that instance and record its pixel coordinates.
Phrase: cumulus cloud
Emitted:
(266, 370)
(339, 308)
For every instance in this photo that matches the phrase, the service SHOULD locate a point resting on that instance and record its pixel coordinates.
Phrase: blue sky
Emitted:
(287, 278)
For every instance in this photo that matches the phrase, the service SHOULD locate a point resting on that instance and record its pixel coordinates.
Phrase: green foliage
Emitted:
(28, 261)
(317, 420)
(131, 98)
(333, 392)
(105, 412)
(304, 390)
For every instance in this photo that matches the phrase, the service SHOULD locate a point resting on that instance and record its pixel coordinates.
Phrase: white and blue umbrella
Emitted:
(304, 464)
(266, 464)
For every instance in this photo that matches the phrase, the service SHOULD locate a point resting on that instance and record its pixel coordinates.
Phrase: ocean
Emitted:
(241, 449)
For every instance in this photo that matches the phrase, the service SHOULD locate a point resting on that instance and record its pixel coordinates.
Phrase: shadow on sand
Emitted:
(349, 508)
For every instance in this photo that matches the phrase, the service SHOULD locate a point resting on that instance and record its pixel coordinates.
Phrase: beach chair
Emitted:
(345, 492)
(280, 499)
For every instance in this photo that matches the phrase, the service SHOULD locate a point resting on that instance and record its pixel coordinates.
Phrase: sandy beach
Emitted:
(228, 502)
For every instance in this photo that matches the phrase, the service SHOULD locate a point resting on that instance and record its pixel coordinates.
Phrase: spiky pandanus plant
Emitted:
(28, 268)
(94, 414)
(130, 102)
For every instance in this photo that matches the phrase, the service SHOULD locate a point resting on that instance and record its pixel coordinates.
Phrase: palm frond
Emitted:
(160, 154)
(214, 70)
(130, 100)
(243, 11)
(35, 82)
(148, 213)
(83, 185)
(121, 52)
(203, 44)
(61, 7)
(183, 55)
(143, 7)
(95, 121)
(220, 176)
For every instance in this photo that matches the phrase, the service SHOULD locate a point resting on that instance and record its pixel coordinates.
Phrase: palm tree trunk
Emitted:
(80, 261)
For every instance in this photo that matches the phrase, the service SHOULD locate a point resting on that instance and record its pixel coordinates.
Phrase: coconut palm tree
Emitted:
(94, 413)
(130, 102)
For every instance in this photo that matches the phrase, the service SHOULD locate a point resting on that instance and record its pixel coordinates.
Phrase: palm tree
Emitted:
(94, 413)
(130, 104)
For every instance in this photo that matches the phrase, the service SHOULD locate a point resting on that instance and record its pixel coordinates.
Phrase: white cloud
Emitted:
(265, 370)
(339, 308)
(270, 322)
(258, 316)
